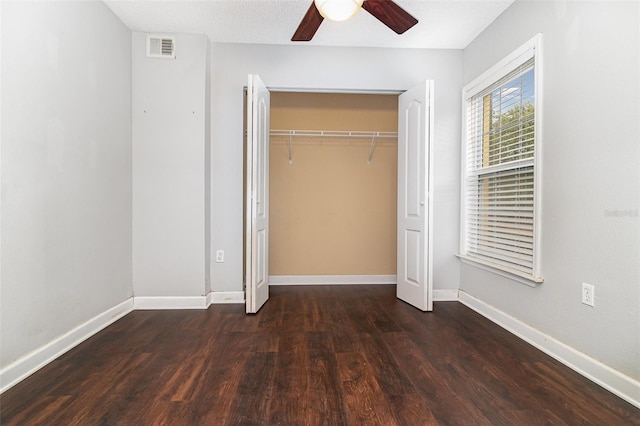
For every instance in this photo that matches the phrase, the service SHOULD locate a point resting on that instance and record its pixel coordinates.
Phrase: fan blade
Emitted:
(390, 14)
(309, 24)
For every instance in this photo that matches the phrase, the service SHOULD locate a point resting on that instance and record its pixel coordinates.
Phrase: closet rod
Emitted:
(335, 134)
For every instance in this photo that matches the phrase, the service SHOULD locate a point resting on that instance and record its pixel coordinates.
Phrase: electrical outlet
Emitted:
(588, 294)
(219, 256)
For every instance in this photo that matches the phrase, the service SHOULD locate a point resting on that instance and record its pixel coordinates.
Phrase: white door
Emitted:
(414, 273)
(257, 232)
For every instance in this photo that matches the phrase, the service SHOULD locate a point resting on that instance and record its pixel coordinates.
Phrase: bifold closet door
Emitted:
(414, 275)
(257, 203)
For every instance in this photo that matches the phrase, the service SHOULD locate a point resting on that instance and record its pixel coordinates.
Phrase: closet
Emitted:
(333, 187)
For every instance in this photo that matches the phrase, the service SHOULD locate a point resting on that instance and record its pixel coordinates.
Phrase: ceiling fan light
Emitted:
(338, 10)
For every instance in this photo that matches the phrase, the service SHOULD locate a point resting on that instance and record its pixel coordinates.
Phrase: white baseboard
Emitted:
(30, 363)
(445, 295)
(330, 279)
(617, 383)
(169, 302)
(223, 297)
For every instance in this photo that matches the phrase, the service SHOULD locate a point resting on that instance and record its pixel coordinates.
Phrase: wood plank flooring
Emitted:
(321, 355)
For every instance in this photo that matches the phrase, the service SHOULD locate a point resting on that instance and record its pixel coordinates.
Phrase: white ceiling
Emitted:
(443, 24)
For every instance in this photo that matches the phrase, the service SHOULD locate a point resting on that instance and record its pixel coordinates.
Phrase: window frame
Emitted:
(530, 49)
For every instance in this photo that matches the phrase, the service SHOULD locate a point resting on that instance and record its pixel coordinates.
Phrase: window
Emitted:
(501, 148)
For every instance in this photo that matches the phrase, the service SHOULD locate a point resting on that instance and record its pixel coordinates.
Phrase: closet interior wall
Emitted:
(333, 212)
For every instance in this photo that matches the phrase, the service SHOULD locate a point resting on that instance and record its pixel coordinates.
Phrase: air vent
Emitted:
(161, 47)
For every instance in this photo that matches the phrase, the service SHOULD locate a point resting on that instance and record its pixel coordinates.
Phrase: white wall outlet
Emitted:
(588, 294)
(219, 256)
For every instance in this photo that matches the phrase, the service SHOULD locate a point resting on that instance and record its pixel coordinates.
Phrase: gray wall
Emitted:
(328, 68)
(66, 169)
(207, 170)
(590, 175)
(169, 169)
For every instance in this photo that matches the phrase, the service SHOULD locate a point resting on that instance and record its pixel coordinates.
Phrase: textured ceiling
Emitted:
(443, 24)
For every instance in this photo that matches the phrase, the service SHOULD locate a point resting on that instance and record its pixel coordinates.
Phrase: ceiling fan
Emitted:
(386, 11)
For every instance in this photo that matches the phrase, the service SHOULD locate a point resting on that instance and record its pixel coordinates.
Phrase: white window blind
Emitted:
(499, 193)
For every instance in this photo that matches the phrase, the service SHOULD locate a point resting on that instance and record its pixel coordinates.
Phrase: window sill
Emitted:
(529, 280)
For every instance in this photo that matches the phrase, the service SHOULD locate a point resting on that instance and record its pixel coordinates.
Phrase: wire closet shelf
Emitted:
(342, 134)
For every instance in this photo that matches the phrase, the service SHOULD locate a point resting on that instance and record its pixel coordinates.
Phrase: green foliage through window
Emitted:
(511, 115)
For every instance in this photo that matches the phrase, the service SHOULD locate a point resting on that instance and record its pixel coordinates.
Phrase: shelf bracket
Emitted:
(372, 148)
(290, 150)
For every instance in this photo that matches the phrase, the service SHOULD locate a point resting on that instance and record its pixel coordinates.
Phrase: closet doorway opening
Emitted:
(329, 214)
(333, 188)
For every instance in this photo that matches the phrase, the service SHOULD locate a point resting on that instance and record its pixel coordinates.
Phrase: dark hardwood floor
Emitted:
(325, 355)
